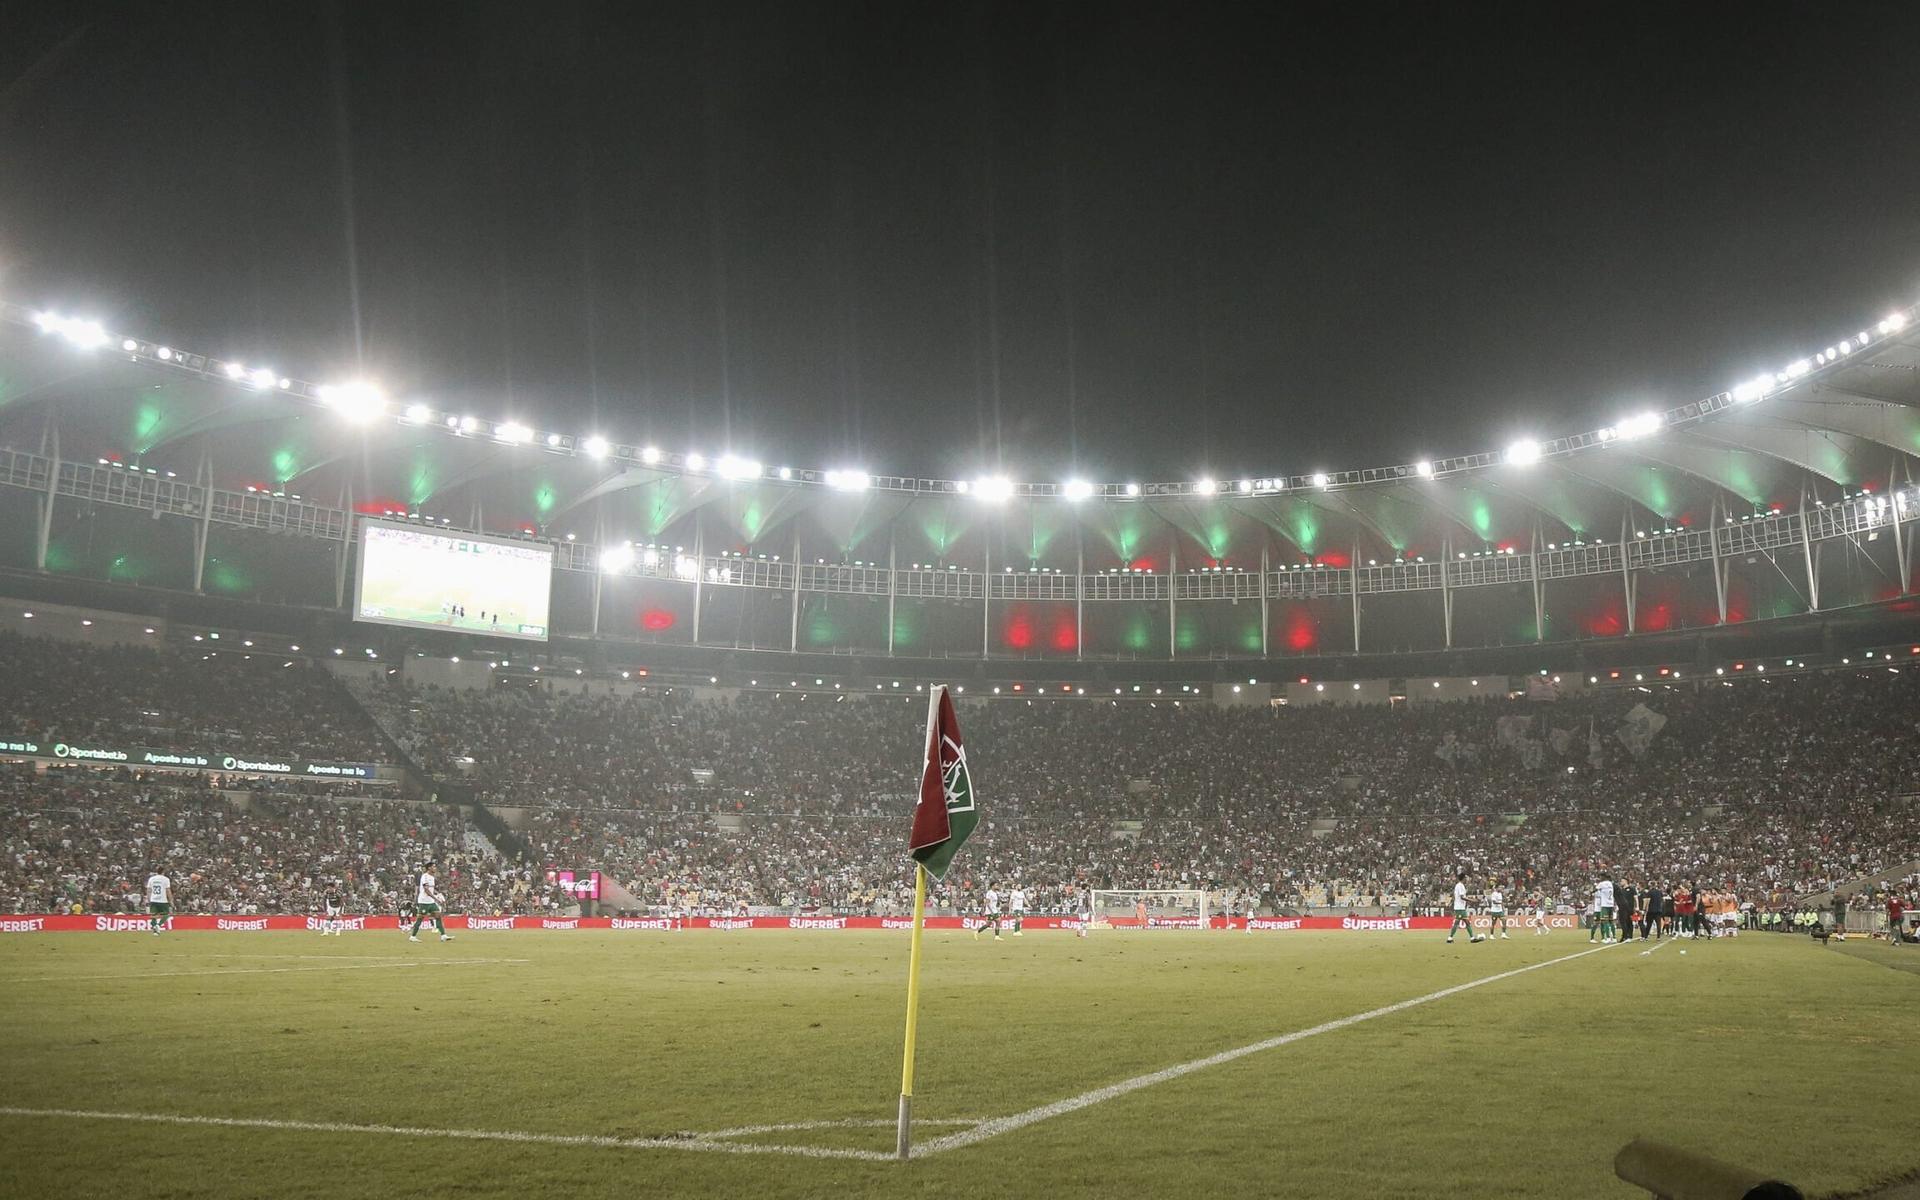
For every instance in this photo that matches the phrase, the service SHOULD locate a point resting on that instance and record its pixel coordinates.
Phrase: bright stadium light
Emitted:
(993, 488)
(1640, 425)
(82, 334)
(1320, 479)
(849, 481)
(1205, 486)
(733, 467)
(263, 377)
(615, 559)
(513, 433)
(1244, 486)
(1423, 469)
(1076, 490)
(1133, 489)
(596, 446)
(417, 414)
(696, 462)
(1753, 389)
(234, 371)
(650, 455)
(553, 441)
(1524, 452)
(685, 567)
(1894, 323)
(357, 401)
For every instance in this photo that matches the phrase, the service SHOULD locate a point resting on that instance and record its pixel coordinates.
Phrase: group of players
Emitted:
(427, 903)
(1616, 910)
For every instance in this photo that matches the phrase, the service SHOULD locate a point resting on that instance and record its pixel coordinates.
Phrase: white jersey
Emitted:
(1459, 897)
(1496, 903)
(159, 889)
(1603, 894)
(993, 901)
(427, 894)
(1017, 900)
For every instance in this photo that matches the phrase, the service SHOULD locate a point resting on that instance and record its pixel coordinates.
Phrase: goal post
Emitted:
(1147, 908)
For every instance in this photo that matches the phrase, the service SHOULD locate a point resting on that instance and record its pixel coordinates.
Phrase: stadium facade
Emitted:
(1780, 513)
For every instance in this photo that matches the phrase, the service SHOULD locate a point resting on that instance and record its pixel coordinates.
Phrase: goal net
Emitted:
(1147, 909)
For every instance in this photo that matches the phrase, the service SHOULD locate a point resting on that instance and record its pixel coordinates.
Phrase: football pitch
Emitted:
(763, 1063)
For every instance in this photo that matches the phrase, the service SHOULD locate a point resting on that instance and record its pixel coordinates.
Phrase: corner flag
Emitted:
(943, 818)
(945, 815)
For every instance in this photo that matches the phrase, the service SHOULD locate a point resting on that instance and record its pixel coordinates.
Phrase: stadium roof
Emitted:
(1842, 420)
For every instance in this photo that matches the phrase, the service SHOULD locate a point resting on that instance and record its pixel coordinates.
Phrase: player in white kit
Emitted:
(1017, 901)
(993, 915)
(159, 902)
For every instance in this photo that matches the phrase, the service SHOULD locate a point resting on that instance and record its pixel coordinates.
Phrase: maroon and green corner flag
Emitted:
(945, 814)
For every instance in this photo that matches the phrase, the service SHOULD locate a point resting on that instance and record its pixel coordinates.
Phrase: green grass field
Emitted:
(1767, 1050)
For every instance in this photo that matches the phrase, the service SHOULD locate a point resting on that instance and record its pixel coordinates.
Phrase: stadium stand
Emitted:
(1773, 788)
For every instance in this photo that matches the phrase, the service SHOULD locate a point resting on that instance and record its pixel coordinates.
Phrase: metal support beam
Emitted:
(1353, 581)
(1173, 585)
(1079, 592)
(1446, 589)
(795, 639)
(1263, 602)
(893, 587)
(43, 536)
(1539, 601)
(1719, 561)
(344, 550)
(699, 573)
(1899, 537)
(1806, 551)
(1626, 572)
(599, 576)
(205, 522)
(986, 594)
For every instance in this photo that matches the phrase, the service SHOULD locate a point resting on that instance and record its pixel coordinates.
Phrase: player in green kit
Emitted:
(426, 903)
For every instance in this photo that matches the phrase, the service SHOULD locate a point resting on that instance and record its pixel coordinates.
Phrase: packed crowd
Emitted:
(211, 700)
(1772, 789)
(85, 839)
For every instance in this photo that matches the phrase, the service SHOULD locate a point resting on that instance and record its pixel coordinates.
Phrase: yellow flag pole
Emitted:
(903, 1140)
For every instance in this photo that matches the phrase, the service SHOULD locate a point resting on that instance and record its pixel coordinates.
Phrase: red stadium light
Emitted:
(1613, 674)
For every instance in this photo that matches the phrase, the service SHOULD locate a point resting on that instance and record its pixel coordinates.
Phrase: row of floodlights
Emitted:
(362, 401)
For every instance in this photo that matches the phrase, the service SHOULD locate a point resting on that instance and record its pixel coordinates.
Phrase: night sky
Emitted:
(1128, 242)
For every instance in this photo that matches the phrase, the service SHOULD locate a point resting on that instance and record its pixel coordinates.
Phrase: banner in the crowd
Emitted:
(581, 885)
(209, 760)
(197, 923)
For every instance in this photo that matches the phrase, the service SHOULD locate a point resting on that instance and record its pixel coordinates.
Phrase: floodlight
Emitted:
(512, 432)
(1423, 469)
(849, 481)
(1205, 486)
(650, 455)
(1133, 489)
(1320, 479)
(417, 414)
(993, 488)
(1076, 489)
(733, 467)
(616, 558)
(696, 462)
(1524, 452)
(596, 446)
(1640, 425)
(357, 401)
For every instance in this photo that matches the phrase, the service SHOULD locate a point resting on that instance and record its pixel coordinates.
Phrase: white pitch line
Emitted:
(841, 1123)
(372, 966)
(691, 1142)
(999, 1125)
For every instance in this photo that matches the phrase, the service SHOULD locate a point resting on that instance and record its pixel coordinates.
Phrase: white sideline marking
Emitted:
(1000, 1125)
(841, 1123)
(372, 966)
(690, 1142)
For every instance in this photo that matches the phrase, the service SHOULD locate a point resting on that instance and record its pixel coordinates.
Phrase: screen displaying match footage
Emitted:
(425, 579)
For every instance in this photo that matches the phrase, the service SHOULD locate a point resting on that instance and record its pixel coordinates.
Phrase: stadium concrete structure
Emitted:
(1775, 516)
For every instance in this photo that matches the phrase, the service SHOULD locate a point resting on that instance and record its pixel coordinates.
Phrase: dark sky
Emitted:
(1140, 242)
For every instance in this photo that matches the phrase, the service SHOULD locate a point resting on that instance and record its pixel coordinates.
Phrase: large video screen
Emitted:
(430, 580)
